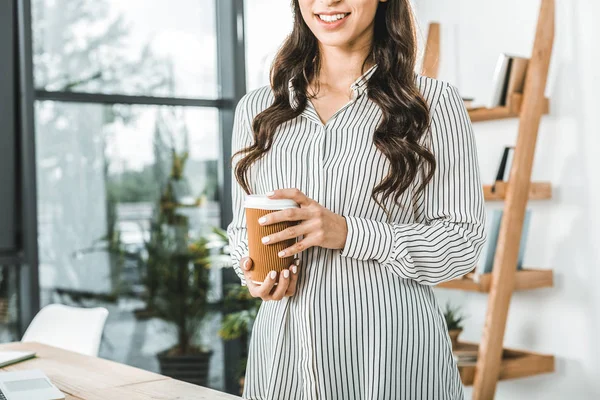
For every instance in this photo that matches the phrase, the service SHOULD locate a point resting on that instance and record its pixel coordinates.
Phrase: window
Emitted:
(110, 178)
(123, 91)
(126, 47)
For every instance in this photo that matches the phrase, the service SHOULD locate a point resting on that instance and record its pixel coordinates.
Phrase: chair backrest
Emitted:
(69, 328)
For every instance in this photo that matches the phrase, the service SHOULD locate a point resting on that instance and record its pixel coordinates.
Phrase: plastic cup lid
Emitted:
(261, 201)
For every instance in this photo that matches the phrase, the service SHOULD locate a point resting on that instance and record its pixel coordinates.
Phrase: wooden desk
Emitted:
(82, 377)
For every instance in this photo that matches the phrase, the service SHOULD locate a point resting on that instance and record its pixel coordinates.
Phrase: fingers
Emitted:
(291, 289)
(293, 194)
(298, 247)
(264, 289)
(267, 290)
(246, 265)
(288, 214)
(282, 286)
(288, 233)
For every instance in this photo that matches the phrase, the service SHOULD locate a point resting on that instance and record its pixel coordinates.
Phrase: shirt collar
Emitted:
(358, 87)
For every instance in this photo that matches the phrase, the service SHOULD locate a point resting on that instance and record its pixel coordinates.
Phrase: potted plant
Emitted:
(241, 309)
(181, 272)
(181, 299)
(454, 320)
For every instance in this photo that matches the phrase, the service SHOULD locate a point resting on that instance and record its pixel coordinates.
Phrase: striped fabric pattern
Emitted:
(364, 322)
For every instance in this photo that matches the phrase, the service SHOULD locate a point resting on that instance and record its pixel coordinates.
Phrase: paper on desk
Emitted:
(13, 357)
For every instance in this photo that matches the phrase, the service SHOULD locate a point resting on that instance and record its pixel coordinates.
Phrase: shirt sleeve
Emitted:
(445, 241)
(236, 230)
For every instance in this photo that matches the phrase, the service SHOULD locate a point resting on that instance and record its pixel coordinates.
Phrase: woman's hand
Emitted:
(319, 226)
(286, 286)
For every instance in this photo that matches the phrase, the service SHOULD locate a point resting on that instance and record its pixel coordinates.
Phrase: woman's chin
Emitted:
(334, 39)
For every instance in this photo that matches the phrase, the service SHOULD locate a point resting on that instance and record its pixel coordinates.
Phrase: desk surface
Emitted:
(82, 377)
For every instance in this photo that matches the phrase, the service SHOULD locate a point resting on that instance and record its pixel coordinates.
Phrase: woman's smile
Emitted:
(332, 20)
(345, 24)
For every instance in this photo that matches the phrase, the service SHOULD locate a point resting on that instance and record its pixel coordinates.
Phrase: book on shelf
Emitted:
(468, 102)
(503, 171)
(486, 259)
(464, 356)
(517, 70)
(509, 77)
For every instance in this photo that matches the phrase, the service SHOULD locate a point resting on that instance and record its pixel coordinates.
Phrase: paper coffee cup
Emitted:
(264, 256)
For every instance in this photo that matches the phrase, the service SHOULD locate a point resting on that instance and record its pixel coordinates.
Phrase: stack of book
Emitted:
(509, 78)
(494, 219)
(465, 357)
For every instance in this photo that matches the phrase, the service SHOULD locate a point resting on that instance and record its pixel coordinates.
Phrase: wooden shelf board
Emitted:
(537, 191)
(514, 364)
(526, 279)
(490, 114)
(511, 110)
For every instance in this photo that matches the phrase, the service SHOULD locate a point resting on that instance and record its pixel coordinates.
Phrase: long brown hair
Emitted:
(405, 114)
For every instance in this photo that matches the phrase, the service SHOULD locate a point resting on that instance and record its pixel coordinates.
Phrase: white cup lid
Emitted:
(261, 201)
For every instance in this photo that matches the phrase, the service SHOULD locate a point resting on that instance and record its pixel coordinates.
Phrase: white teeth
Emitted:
(331, 18)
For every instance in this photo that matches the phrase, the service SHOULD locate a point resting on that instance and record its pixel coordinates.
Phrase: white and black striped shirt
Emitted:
(364, 322)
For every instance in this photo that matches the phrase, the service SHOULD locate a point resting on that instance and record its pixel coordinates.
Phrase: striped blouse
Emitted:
(364, 322)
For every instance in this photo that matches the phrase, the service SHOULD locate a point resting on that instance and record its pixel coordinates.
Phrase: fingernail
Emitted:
(286, 273)
(273, 274)
(262, 220)
(270, 194)
(266, 239)
(297, 261)
(295, 269)
(281, 253)
(246, 264)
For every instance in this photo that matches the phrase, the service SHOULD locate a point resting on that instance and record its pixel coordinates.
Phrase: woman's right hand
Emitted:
(286, 286)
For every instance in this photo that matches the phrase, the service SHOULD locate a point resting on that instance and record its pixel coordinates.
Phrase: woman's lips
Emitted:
(332, 21)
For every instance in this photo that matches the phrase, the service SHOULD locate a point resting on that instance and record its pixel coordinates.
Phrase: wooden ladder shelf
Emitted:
(493, 361)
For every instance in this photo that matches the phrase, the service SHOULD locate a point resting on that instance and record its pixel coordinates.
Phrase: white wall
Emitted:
(267, 23)
(564, 320)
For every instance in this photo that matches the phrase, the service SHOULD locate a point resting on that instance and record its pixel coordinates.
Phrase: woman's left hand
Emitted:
(319, 226)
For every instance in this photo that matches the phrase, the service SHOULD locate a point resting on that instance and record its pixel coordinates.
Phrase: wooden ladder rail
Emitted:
(431, 58)
(505, 261)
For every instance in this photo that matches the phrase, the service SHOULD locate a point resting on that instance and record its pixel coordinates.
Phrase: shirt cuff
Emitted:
(368, 240)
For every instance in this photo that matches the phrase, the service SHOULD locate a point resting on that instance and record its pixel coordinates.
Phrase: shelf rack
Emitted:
(537, 191)
(495, 363)
(511, 110)
(515, 364)
(526, 279)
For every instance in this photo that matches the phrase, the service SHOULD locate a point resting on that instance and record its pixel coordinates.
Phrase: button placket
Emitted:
(317, 157)
(304, 311)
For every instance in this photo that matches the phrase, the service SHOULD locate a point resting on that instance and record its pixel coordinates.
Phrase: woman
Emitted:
(383, 164)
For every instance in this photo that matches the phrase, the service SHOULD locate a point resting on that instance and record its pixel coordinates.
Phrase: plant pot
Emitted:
(191, 368)
(454, 333)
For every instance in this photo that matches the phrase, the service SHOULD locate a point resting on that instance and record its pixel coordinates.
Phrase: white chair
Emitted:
(69, 328)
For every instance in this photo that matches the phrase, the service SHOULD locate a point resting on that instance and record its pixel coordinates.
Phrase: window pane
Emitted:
(167, 48)
(263, 40)
(101, 172)
(8, 304)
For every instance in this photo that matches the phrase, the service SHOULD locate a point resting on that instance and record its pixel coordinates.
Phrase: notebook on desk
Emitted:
(13, 357)
(28, 385)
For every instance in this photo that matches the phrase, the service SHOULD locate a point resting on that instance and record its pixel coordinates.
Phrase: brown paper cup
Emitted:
(264, 256)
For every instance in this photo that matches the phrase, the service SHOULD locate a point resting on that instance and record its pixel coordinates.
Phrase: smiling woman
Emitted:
(378, 159)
